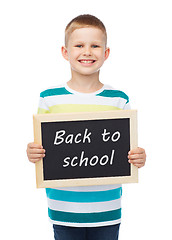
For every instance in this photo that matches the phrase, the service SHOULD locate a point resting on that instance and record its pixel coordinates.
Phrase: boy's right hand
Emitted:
(35, 152)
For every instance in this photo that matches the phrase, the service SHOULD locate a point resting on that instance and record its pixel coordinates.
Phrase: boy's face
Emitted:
(86, 50)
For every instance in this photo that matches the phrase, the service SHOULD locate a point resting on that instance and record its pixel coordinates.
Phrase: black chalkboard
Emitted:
(86, 148)
(99, 150)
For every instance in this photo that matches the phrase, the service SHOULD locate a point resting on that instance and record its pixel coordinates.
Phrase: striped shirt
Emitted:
(86, 206)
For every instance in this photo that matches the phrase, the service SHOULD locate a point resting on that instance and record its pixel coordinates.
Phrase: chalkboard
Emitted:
(86, 148)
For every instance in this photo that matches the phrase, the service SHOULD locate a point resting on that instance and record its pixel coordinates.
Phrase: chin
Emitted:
(89, 74)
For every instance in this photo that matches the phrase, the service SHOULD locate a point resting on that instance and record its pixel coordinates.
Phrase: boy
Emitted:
(91, 212)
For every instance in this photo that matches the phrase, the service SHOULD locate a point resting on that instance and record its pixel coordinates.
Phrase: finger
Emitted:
(36, 151)
(34, 145)
(136, 156)
(35, 160)
(137, 163)
(139, 160)
(137, 150)
(32, 157)
(36, 156)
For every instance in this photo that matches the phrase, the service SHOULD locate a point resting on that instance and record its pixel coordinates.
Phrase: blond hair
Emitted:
(83, 21)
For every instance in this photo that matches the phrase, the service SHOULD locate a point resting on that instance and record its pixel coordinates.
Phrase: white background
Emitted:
(140, 64)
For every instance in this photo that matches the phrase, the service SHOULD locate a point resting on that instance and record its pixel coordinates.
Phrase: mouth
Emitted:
(87, 61)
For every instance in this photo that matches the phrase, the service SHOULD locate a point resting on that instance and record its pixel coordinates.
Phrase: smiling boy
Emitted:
(86, 51)
(90, 212)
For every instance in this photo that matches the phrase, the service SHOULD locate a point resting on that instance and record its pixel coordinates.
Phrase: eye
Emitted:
(95, 46)
(79, 46)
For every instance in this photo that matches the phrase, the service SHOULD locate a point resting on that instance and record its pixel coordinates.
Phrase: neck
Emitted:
(84, 83)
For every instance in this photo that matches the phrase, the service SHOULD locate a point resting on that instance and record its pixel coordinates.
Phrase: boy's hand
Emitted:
(137, 157)
(35, 152)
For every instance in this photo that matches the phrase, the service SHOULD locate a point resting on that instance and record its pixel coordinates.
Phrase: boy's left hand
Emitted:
(137, 157)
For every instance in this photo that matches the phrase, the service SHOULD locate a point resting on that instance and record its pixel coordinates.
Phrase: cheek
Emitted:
(100, 55)
(73, 55)
(101, 58)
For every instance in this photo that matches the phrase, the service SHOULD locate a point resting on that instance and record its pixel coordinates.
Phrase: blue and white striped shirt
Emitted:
(86, 206)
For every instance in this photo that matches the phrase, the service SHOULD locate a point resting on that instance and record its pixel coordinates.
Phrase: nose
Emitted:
(87, 51)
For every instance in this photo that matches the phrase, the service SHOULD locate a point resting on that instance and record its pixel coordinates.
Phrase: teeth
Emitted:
(87, 61)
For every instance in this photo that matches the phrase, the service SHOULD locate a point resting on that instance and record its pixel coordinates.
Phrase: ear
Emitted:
(107, 52)
(64, 53)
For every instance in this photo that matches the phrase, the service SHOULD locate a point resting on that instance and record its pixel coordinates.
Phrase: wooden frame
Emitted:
(122, 114)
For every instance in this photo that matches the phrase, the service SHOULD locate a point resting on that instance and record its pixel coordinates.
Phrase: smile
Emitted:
(86, 61)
